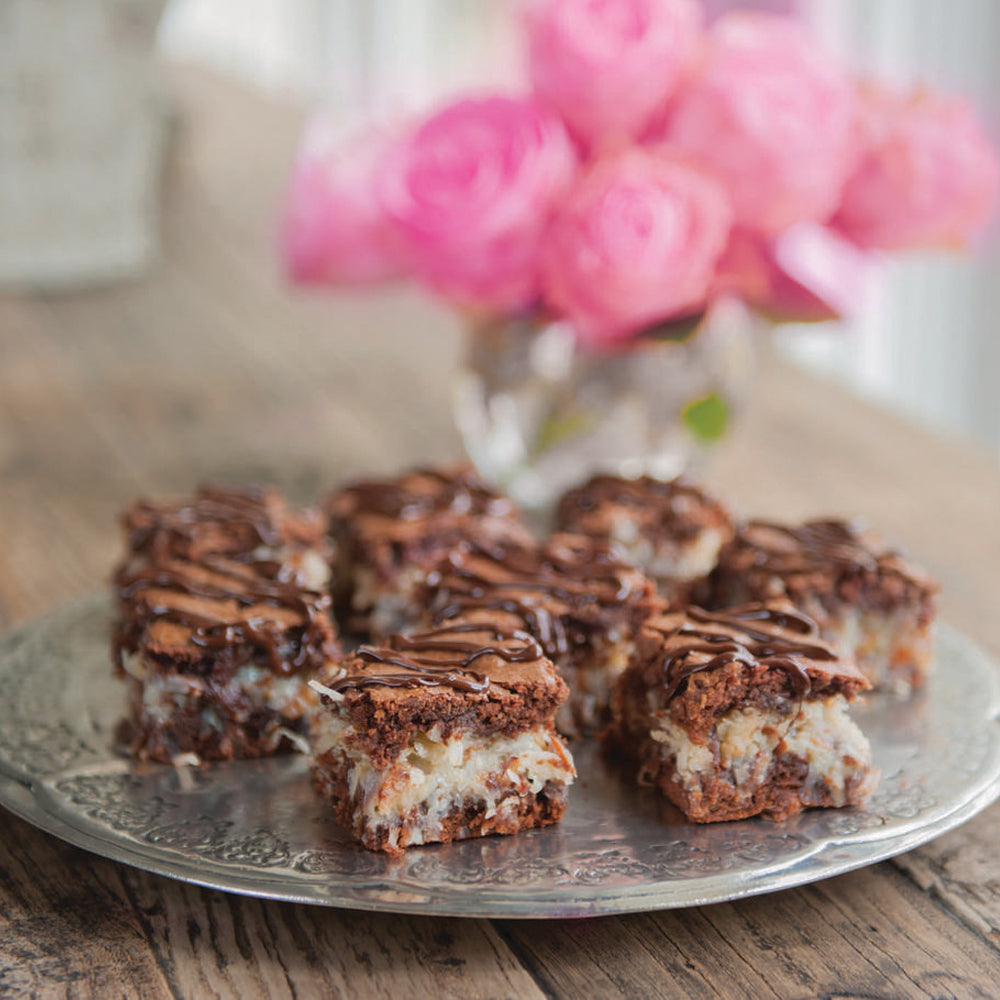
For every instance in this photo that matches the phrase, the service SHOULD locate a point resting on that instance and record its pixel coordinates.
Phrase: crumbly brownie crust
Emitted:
(672, 530)
(575, 595)
(872, 603)
(442, 734)
(741, 713)
(390, 533)
(218, 634)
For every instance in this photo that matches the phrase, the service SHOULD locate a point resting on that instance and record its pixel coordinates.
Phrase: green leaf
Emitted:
(707, 417)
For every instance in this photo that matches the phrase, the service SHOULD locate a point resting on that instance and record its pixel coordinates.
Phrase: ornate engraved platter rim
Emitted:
(378, 896)
(61, 775)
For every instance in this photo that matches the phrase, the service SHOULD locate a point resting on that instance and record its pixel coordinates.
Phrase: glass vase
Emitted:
(538, 411)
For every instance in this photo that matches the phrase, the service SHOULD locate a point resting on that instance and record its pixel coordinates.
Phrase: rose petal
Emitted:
(333, 229)
(608, 67)
(469, 194)
(635, 243)
(806, 274)
(929, 176)
(774, 116)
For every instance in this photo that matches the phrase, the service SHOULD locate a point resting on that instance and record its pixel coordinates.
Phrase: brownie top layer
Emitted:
(669, 509)
(760, 640)
(404, 504)
(833, 557)
(482, 676)
(563, 591)
(465, 657)
(216, 616)
(218, 520)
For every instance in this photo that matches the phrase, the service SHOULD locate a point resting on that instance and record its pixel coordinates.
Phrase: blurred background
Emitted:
(926, 338)
(927, 335)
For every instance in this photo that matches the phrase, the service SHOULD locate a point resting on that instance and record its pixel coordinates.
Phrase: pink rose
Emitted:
(470, 193)
(805, 274)
(635, 243)
(928, 178)
(334, 230)
(773, 115)
(607, 67)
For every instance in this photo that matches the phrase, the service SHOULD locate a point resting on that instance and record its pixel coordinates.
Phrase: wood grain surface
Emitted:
(212, 368)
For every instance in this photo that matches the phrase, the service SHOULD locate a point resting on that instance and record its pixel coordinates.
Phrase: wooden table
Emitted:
(212, 368)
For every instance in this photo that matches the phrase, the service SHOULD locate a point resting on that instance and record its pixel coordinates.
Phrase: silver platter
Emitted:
(256, 827)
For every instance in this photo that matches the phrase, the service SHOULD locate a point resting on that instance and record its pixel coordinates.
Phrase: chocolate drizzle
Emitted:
(547, 628)
(615, 489)
(441, 657)
(590, 575)
(544, 587)
(675, 506)
(815, 545)
(163, 530)
(150, 592)
(457, 492)
(752, 636)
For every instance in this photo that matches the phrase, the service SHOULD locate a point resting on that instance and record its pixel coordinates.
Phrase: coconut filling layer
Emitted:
(591, 685)
(669, 561)
(307, 567)
(745, 743)
(432, 778)
(167, 695)
(893, 651)
(389, 609)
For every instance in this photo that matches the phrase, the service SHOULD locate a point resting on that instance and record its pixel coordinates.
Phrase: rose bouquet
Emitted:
(652, 163)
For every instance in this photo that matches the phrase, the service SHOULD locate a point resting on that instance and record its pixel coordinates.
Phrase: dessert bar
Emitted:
(222, 618)
(574, 595)
(390, 533)
(871, 603)
(742, 713)
(442, 735)
(672, 530)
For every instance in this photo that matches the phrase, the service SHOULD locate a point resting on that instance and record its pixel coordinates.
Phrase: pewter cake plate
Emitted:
(256, 827)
